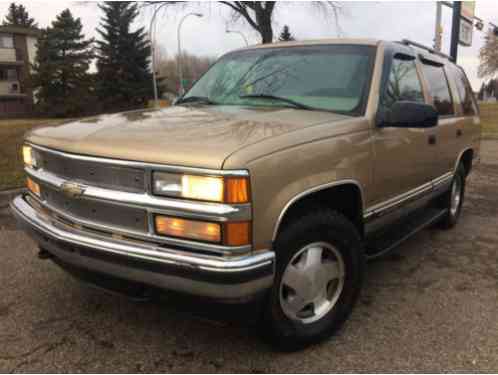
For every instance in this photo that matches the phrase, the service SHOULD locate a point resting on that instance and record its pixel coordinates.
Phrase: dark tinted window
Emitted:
(403, 83)
(438, 88)
(464, 91)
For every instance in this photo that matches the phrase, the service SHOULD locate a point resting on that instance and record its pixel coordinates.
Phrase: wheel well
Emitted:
(466, 160)
(345, 199)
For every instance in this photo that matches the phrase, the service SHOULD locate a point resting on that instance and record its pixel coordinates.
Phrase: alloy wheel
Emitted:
(312, 282)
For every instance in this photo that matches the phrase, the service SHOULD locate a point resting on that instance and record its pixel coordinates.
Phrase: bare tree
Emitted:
(488, 56)
(259, 14)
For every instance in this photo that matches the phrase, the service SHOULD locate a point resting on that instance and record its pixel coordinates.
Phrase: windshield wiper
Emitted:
(196, 99)
(281, 98)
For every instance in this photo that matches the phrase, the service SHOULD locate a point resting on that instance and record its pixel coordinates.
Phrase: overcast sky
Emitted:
(206, 36)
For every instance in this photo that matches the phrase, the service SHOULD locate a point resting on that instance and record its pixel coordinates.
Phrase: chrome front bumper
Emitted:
(225, 278)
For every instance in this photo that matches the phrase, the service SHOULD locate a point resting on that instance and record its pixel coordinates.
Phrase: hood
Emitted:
(186, 136)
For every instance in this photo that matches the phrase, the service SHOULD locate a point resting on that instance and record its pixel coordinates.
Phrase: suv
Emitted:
(281, 171)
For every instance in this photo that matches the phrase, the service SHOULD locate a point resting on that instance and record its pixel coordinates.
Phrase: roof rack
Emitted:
(408, 42)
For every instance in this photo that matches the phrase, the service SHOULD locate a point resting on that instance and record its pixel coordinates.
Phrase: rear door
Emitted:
(469, 124)
(450, 126)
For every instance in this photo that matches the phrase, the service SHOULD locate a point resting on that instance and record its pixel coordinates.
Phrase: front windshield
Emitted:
(323, 77)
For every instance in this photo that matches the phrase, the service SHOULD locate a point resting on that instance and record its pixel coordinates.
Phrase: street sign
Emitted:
(466, 28)
(468, 10)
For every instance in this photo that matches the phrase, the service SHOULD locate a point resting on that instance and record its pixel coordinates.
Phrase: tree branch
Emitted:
(239, 7)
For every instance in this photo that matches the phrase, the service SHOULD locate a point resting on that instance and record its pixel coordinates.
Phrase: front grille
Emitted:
(96, 212)
(95, 174)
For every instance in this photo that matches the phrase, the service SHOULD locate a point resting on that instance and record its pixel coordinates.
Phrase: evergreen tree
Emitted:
(488, 55)
(60, 72)
(124, 78)
(480, 96)
(285, 35)
(18, 16)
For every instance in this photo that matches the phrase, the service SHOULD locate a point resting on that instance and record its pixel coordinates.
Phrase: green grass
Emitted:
(11, 138)
(489, 119)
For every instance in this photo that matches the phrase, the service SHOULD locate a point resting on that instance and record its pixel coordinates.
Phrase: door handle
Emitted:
(459, 132)
(432, 139)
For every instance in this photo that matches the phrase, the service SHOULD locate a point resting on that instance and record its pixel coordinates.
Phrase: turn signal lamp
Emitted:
(33, 186)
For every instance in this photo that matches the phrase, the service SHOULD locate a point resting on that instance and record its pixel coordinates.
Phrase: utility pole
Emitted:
(152, 36)
(455, 29)
(181, 90)
(438, 33)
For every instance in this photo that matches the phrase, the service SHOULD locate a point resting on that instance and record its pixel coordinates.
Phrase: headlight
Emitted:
(205, 188)
(29, 156)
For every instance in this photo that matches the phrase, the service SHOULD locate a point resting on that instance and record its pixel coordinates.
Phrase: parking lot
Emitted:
(430, 306)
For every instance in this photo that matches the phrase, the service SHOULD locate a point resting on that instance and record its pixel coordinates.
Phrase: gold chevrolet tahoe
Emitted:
(279, 173)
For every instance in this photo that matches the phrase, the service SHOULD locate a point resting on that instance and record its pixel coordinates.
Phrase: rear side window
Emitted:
(439, 89)
(464, 91)
(403, 84)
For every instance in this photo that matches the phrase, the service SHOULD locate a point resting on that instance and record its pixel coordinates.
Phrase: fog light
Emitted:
(188, 229)
(33, 187)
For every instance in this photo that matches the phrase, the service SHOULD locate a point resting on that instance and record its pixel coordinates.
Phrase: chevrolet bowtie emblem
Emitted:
(72, 190)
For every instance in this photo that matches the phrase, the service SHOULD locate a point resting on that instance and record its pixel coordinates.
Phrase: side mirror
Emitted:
(404, 114)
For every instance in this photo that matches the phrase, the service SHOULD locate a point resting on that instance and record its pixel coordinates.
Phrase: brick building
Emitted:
(17, 53)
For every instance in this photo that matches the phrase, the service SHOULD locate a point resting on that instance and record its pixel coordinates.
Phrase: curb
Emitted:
(7, 195)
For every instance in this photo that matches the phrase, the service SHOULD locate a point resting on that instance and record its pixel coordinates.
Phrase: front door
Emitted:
(404, 157)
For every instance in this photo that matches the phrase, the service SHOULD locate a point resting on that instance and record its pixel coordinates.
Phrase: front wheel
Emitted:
(320, 267)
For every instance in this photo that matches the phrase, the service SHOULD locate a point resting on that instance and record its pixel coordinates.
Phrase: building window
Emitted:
(11, 75)
(8, 75)
(6, 41)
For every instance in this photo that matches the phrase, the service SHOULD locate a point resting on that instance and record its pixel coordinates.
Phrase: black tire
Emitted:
(317, 226)
(450, 219)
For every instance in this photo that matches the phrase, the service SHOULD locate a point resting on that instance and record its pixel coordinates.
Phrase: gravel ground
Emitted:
(431, 306)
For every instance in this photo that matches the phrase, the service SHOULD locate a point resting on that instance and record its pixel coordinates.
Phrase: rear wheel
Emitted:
(320, 266)
(452, 201)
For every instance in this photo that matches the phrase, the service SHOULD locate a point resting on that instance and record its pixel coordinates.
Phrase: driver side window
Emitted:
(403, 83)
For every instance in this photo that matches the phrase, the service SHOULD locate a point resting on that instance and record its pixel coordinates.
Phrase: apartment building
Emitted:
(17, 53)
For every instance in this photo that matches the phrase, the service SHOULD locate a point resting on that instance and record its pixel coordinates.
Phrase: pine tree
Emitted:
(60, 72)
(285, 35)
(488, 56)
(480, 96)
(18, 16)
(124, 78)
